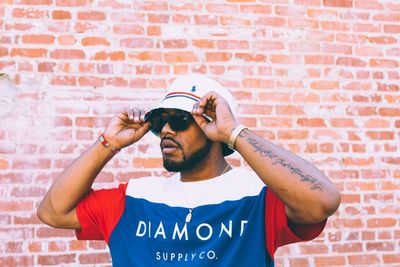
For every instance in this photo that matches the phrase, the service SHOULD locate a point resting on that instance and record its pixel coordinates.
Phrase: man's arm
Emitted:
(58, 207)
(309, 196)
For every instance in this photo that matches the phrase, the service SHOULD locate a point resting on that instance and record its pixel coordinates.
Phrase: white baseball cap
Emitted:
(186, 90)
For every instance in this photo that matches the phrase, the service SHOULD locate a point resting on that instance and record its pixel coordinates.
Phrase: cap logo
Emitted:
(193, 88)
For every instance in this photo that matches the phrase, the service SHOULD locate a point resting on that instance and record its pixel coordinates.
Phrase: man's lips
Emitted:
(168, 145)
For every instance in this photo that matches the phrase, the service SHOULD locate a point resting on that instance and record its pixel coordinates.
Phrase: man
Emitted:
(208, 213)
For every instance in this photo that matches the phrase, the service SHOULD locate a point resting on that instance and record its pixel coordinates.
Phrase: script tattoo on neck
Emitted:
(266, 153)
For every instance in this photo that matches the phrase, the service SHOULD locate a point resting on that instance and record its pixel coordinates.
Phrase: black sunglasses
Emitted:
(178, 121)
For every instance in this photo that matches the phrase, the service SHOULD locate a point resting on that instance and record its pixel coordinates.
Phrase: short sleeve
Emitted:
(99, 212)
(277, 231)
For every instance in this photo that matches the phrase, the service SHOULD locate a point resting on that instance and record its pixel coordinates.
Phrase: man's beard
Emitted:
(188, 162)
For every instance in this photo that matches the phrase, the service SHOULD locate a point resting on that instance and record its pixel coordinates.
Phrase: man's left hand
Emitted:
(217, 108)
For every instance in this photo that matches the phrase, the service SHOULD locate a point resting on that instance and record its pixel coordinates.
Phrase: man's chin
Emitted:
(172, 167)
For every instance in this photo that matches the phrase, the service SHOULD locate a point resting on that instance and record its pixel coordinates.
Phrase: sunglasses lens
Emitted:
(177, 122)
(157, 122)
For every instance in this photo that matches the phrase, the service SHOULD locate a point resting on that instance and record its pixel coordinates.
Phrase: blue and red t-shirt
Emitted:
(236, 221)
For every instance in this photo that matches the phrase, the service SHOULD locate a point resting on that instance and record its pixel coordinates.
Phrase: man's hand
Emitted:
(217, 108)
(126, 128)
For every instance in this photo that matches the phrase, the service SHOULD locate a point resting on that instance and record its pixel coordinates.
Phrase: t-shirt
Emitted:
(236, 221)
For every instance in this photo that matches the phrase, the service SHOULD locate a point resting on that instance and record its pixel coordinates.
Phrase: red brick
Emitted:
(128, 29)
(385, 222)
(300, 262)
(46, 232)
(391, 258)
(338, 3)
(38, 39)
(56, 259)
(28, 192)
(158, 18)
(46, 66)
(203, 43)
(151, 6)
(352, 62)
(3, 51)
(330, 261)
(66, 40)
(383, 63)
(91, 15)
(382, 40)
(270, 21)
(314, 249)
(255, 8)
(388, 87)
(95, 41)
(72, 3)
(335, 26)
(125, 16)
(325, 85)
(392, 28)
(259, 83)
(380, 246)
(205, 20)
(363, 259)
(11, 206)
(63, 80)
(269, 45)
(362, 111)
(77, 245)
(316, 122)
(177, 57)
(285, 59)
(95, 258)
(60, 15)
(293, 134)
(181, 19)
(68, 54)
(391, 160)
(347, 248)
(222, 8)
(368, 4)
(28, 52)
(234, 21)
(137, 43)
(302, 23)
(30, 13)
(16, 260)
(31, 164)
(343, 122)
(174, 43)
(4, 164)
(380, 135)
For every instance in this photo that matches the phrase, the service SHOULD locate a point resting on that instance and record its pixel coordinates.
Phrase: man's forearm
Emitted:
(73, 184)
(307, 193)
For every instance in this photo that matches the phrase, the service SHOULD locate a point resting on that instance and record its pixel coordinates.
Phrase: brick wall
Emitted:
(319, 77)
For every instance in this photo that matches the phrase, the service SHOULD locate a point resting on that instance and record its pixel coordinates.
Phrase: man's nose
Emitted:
(167, 129)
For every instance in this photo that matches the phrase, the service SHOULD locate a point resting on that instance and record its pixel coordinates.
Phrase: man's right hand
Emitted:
(126, 128)
(58, 207)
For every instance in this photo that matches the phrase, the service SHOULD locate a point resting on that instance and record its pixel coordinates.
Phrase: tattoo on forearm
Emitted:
(259, 148)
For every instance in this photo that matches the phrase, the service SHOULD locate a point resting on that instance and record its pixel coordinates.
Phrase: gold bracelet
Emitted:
(235, 133)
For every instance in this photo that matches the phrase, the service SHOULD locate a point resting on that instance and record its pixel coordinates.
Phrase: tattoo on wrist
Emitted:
(266, 153)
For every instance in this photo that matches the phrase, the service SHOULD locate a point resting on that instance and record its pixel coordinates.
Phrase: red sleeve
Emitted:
(277, 231)
(99, 212)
